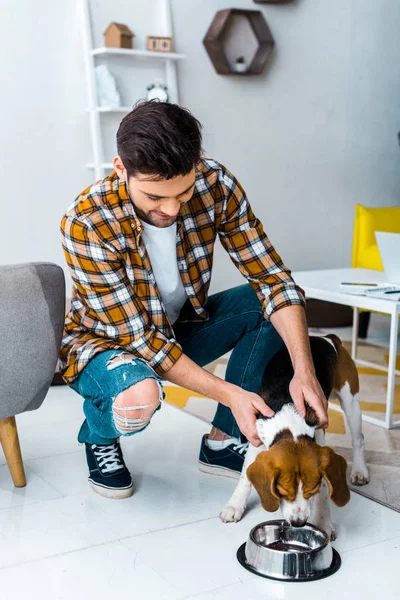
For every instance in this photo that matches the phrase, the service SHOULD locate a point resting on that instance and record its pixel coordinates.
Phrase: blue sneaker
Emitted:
(227, 462)
(108, 474)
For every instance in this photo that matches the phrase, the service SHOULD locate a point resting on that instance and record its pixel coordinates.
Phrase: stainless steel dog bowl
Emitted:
(278, 551)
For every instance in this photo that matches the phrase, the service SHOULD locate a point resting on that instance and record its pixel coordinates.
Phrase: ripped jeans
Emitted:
(235, 322)
(108, 374)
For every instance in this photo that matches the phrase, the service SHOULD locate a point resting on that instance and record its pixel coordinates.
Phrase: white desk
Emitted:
(324, 285)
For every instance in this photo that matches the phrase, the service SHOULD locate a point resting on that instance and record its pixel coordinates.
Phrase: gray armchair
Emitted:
(32, 310)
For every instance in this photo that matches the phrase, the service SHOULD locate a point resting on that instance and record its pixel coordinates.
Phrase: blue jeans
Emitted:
(236, 323)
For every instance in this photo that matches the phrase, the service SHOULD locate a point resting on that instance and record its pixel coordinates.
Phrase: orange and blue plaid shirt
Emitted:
(115, 302)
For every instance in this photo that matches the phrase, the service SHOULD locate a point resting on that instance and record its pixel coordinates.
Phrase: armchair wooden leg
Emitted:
(12, 451)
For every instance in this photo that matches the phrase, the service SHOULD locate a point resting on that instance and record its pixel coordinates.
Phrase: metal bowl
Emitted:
(277, 550)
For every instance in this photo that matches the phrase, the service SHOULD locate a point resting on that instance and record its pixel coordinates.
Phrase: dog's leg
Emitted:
(351, 407)
(234, 509)
(321, 511)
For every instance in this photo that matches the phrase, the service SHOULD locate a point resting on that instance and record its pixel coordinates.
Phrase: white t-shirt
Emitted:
(160, 244)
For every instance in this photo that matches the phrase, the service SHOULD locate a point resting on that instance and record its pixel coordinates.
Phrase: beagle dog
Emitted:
(292, 469)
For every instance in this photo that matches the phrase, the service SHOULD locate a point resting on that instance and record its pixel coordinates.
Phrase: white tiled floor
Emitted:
(60, 541)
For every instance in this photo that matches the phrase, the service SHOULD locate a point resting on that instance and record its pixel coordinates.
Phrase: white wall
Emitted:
(308, 139)
(44, 133)
(317, 133)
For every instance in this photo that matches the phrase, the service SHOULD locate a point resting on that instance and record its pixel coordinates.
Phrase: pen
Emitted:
(357, 283)
(393, 292)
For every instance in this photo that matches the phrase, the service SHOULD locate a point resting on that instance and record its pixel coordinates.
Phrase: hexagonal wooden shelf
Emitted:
(214, 45)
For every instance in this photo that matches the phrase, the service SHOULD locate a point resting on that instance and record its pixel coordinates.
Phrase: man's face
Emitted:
(157, 201)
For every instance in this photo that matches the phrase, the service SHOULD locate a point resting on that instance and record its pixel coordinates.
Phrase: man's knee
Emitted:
(134, 407)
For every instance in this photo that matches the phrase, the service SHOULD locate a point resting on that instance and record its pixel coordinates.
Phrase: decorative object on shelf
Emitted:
(157, 91)
(118, 35)
(240, 65)
(107, 93)
(159, 44)
(214, 40)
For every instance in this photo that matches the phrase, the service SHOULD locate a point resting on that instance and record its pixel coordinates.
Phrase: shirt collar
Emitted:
(122, 190)
(125, 197)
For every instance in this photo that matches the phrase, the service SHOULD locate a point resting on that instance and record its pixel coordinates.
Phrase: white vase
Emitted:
(107, 93)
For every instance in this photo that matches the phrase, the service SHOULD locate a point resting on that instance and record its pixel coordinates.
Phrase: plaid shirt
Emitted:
(115, 301)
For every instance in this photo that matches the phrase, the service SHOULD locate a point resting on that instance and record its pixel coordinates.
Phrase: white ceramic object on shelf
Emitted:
(107, 93)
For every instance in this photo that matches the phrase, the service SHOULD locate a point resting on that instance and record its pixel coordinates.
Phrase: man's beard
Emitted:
(152, 219)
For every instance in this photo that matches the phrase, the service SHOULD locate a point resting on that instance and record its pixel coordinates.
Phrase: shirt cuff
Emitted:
(165, 359)
(284, 296)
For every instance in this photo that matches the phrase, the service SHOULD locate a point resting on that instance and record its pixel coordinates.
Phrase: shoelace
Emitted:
(241, 447)
(107, 457)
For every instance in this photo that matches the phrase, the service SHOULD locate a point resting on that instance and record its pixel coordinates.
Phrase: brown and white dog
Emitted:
(293, 470)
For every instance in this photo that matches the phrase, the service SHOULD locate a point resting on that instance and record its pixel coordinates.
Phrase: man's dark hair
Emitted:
(159, 138)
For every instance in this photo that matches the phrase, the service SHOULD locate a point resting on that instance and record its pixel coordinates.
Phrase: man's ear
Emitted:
(263, 474)
(334, 470)
(119, 168)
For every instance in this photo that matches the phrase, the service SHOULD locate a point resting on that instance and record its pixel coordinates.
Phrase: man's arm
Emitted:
(290, 323)
(244, 405)
(243, 236)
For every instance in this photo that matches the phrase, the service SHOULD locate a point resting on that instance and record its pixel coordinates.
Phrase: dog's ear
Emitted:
(263, 474)
(334, 470)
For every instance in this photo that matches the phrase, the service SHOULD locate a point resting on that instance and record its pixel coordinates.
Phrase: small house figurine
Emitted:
(118, 36)
(159, 44)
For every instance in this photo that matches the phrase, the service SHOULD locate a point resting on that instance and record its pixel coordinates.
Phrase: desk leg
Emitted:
(354, 333)
(394, 328)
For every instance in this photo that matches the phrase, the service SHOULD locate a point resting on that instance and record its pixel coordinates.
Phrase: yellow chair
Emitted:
(365, 249)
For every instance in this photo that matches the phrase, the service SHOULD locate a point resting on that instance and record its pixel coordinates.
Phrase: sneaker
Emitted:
(227, 462)
(108, 474)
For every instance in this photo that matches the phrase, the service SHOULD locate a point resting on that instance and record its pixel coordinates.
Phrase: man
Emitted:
(139, 246)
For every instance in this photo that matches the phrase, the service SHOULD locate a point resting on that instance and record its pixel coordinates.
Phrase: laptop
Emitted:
(389, 248)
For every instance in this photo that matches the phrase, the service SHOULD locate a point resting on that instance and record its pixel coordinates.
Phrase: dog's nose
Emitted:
(298, 522)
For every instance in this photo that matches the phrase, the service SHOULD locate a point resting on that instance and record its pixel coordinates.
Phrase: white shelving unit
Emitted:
(97, 113)
(137, 53)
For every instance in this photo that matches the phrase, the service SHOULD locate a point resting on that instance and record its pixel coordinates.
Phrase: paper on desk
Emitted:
(358, 290)
(354, 290)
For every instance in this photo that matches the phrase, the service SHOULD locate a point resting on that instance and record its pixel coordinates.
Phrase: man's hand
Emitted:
(305, 388)
(290, 323)
(245, 407)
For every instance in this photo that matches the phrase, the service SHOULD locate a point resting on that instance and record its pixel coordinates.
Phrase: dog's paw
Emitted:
(332, 534)
(231, 514)
(359, 476)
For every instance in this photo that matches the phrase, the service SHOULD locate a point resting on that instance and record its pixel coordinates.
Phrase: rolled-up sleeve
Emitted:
(105, 305)
(243, 237)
